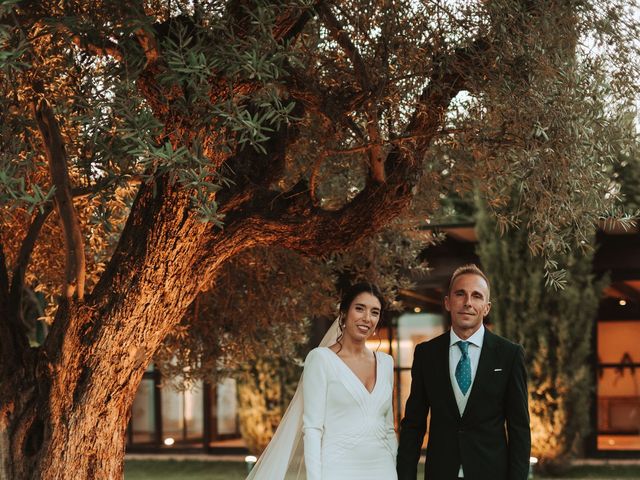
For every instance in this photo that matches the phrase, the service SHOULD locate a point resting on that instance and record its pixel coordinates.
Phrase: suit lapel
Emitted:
(483, 374)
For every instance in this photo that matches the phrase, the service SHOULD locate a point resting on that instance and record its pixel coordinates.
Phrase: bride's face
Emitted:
(362, 317)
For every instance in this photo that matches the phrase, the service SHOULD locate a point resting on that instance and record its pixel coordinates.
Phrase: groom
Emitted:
(474, 384)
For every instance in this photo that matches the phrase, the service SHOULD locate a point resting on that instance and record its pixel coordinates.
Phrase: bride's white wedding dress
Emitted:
(348, 431)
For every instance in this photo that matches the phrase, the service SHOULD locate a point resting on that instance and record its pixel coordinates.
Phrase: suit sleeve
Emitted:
(414, 423)
(517, 418)
(314, 389)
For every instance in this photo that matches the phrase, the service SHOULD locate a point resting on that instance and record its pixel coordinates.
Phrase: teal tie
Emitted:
(463, 369)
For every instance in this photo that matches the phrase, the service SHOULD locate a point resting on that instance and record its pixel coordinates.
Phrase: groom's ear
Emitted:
(447, 305)
(487, 309)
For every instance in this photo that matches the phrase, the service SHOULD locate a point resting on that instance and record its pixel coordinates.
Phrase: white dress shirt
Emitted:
(475, 346)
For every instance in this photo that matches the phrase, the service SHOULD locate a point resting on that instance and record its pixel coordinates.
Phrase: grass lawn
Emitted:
(193, 470)
(183, 470)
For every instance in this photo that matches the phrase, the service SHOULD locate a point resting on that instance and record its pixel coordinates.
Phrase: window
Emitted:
(182, 414)
(618, 385)
(226, 411)
(162, 416)
(143, 427)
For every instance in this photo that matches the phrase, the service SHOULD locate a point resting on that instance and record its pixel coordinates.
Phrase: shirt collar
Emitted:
(475, 339)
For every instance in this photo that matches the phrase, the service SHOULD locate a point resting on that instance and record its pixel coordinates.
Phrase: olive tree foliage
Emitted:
(521, 90)
(575, 113)
(627, 176)
(146, 144)
(531, 108)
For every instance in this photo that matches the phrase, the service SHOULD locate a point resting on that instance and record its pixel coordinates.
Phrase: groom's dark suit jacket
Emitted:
(492, 439)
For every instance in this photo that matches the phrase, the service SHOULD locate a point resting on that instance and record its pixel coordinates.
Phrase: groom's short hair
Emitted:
(469, 268)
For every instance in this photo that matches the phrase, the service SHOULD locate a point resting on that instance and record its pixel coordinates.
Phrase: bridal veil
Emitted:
(283, 459)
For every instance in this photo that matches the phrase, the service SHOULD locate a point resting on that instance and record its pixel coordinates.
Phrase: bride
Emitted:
(343, 405)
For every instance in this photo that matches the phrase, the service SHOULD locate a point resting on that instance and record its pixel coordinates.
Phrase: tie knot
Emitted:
(464, 347)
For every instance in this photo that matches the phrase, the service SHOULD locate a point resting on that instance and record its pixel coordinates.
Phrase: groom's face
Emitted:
(468, 303)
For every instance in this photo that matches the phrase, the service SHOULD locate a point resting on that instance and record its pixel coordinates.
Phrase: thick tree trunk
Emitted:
(70, 407)
(66, 412)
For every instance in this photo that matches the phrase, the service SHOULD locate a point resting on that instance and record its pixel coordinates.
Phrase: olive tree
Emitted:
(145, 145)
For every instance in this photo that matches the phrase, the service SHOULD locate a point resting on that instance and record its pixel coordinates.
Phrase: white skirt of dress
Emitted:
(368, 459)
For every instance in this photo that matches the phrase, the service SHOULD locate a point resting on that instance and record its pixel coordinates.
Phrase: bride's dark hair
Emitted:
(356, 289)
(350, 294)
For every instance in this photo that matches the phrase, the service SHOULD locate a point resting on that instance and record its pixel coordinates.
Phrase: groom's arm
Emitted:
(414, 423)
(517, 418)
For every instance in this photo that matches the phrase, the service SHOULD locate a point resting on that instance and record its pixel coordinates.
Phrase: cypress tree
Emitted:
(554, 326)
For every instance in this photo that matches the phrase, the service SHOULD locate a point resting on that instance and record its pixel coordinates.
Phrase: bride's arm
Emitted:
(314, 382)
(391, 431)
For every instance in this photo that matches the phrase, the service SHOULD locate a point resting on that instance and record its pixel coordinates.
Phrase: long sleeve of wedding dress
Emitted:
(315, 402)
(392, 438)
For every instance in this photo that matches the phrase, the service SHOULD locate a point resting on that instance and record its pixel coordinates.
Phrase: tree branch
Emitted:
(448, 79)
(28, 244)
(294, 222)
(57, 159)
(292, 21)
(340, 35)
(16, 340)
(328, 104)
(376, 152)
(149, 44)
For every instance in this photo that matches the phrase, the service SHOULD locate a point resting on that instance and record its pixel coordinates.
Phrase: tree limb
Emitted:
(13, 291)
(57, 159)
(328, 104)
(16, 340)
(149, 44)
(28, 244)
(294, 222)
(450, 74)
(376, 152)
(342, 37)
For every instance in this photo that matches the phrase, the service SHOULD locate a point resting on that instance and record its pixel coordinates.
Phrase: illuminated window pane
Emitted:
(172, 413)
(618, 385)
(617, 339)
(194, 411)
(414, 329)
(182, 413)
(142, 414)
(227, 407)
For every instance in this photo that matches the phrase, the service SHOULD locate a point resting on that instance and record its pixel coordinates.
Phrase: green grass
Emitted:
(195, 470)
(183, 470)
